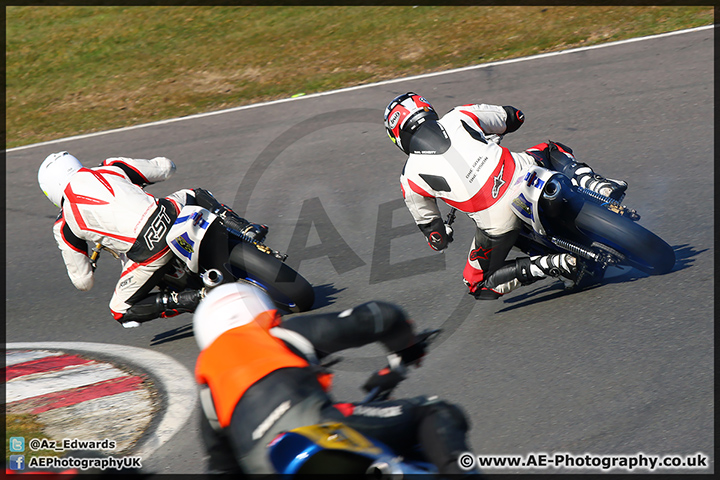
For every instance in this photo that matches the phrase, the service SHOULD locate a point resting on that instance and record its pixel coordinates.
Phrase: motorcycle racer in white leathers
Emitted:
(107, 205)
(458, 159)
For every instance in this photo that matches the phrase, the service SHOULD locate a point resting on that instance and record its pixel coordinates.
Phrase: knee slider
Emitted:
(483, 293)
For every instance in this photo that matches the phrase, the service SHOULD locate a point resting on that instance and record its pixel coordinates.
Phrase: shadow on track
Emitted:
(171, 335)
(684, 257)
(325, 295)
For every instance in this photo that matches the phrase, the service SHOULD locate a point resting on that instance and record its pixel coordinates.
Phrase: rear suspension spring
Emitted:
(596, 196)
(576, 249)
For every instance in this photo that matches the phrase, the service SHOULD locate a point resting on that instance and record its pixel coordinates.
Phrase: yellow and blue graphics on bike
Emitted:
(187, 232)
(523, 206)
(324, 448)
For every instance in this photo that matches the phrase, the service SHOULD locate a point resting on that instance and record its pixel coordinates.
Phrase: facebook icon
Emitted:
(17, 462)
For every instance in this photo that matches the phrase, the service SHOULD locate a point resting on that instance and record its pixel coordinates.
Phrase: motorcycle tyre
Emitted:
(275, 276)
(643, 249)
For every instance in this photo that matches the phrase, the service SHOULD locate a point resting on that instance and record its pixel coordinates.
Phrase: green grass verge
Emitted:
(27, 426)
(74, 70)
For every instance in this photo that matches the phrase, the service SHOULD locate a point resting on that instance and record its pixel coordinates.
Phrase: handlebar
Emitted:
(451, 216)
(96, 254)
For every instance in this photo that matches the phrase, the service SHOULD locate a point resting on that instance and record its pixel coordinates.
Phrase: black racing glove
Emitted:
(413, 354)
(515, 118)
(385, 380)
(438, 234)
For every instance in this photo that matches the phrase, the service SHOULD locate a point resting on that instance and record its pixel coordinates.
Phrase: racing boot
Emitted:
(175, 303)
(560, 158)
(256, 231)
(607, 187)
(162, 304)
(524, 271)
(228, 216)
(561, 265)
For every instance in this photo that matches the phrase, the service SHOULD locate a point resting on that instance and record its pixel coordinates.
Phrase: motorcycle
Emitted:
(337, 449)
(561, 217)
(250, 259)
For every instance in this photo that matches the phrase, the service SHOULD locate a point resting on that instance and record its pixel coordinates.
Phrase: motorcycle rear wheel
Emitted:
(643, 249)
(288, 289)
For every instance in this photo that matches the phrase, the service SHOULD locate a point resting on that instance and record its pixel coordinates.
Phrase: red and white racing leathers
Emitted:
(108, 205)
(472, 174)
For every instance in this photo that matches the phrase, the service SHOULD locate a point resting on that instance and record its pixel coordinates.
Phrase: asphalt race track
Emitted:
(622, 368)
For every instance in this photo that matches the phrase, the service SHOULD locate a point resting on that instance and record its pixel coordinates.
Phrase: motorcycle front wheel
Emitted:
(287, 288)
(642, 249)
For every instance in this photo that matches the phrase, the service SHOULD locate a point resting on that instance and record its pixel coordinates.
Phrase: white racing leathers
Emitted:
(108, 205)
(468, 171)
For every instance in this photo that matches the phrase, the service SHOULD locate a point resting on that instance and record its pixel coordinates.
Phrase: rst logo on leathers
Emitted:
(157, 229)
(127, 282)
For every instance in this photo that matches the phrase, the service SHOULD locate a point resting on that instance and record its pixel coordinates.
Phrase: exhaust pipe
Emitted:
(212, 278)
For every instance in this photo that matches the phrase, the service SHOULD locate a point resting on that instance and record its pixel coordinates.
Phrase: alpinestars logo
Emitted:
(498, 182)
(479, 254)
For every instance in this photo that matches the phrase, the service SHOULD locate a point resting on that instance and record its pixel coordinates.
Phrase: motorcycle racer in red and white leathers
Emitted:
(107, 205)
(458, 159)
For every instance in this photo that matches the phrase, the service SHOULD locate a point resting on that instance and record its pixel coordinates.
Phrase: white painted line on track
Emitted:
(175, 380)
(13, 358)
(76, 376)
(369, 85)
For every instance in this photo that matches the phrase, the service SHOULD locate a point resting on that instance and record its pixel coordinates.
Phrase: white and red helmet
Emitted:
(404, 115)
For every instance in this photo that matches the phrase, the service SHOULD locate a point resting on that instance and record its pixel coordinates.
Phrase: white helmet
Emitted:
(225, 307)
(55, 173)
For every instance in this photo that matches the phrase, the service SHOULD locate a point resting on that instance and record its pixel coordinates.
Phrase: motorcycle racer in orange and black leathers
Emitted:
(261, 376)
